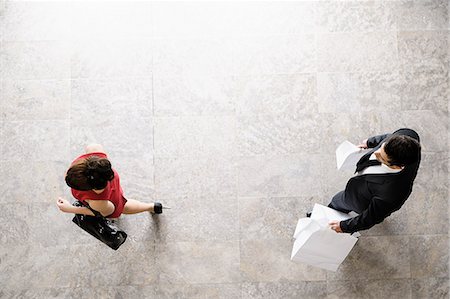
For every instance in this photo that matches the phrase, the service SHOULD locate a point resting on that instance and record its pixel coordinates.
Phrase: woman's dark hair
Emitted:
(402, 150)
(90, 173)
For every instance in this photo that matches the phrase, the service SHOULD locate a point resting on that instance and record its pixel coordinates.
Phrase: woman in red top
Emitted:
(94, 182)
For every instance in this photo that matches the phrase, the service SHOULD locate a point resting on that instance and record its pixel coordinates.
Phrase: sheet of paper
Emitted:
(321, 212)
(347, 155)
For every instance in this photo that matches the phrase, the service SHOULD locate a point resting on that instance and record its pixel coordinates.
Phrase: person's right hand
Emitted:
(63, 204)
(363, 144)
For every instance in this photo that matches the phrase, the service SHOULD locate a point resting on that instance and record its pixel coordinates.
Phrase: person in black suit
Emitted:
(382, 183)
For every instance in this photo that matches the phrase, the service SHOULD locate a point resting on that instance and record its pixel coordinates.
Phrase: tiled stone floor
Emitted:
(229, 113)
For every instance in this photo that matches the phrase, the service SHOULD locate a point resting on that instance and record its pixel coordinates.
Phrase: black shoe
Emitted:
(308, 214)
(158, 208)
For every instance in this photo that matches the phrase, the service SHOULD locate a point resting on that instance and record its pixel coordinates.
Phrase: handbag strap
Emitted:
(96, 213)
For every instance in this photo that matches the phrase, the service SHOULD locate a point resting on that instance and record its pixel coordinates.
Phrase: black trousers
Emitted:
(338, 203)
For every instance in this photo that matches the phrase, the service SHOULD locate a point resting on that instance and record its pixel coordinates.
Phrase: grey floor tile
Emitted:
(383, 288)
(35, 99)
(356, 92)
(195, 136)
(111, 59)
(195, 24)
(2, 134)
(427, 210)
(141, 227)
(421, 15)
(275, 94)
(17, 229)
(429, 256)
(423, 50)
(133, 264)
(147, 291)
(204, 291)
(35, 60)
(430, 288)
(35, 182)
(376, 258)
(193, 96)
(198, 262)
(89, 265)
(352, 126)
(179, 177)
(38, 140)
(397, 224)
(273, 217)
(19, 21)
(199, 219)
(36, 293)
(82, 292)
(277, 134)
(266, 23)
(192, 57)
(275, 55)
(269, 261)
(136, 177)
(232, 19)
(114, 133)
(425, 90)
(41, 224)
(304, 289)
(21, 264)
(110, 21)
(57, 229)
(2, 95)
(130, 98)
(438, 177)
(2, 5)
(277, 176)
(430, 125)
(337, 16)
(357, 52)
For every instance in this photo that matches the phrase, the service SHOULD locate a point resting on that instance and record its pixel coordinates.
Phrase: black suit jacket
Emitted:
(376, 196)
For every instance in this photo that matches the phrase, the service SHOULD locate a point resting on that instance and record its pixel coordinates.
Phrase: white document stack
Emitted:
(316, 244)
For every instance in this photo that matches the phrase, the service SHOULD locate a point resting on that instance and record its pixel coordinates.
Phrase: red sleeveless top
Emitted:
(113, 191)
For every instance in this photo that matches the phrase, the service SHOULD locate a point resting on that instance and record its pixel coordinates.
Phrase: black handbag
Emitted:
(99, 227)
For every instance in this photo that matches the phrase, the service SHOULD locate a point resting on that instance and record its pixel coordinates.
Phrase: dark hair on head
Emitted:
(402, 150)
(90, 173)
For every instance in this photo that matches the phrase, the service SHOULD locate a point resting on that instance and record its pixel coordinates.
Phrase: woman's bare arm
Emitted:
(104, 207)
(65, 206)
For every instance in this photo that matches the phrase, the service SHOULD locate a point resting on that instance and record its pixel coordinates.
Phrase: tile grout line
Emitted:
(155, 247)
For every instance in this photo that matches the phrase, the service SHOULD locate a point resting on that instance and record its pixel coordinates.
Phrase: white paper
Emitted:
(324, 250)
(347, 155)
(316, 244)
(323, 213)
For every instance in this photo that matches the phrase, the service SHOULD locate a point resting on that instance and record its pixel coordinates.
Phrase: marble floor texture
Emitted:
(229, 113)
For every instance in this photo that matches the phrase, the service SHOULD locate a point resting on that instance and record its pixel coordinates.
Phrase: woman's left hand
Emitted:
(63, 204)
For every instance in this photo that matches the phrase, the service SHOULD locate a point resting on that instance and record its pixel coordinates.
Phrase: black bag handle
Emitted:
(86, 205)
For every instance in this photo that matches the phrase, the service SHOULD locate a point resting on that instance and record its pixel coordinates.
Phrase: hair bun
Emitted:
(92, 163)
(98, 171)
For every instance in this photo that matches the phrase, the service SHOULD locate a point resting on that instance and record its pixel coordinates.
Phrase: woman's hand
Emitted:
(63, 204)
